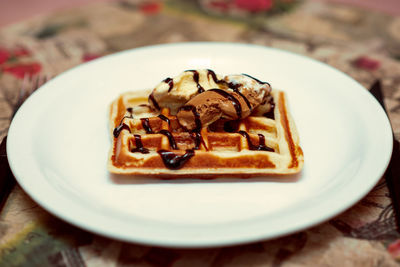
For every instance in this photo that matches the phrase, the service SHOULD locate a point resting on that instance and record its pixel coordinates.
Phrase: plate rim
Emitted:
(12, 139)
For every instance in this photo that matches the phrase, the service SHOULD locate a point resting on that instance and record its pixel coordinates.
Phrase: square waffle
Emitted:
(150, 143)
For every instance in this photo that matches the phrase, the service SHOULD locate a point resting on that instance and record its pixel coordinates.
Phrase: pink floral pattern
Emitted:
(394, 249)
(254, 5)
(4, 55)
(20, 70)
(88, 57)
(9, 62)
(240, 8)
(364, 62)
(362, 236)
(150, 8)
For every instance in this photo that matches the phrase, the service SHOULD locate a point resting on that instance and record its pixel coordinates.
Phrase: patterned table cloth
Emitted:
(363, 44)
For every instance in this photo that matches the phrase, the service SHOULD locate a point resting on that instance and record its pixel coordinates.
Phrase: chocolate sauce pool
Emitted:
(173, 161)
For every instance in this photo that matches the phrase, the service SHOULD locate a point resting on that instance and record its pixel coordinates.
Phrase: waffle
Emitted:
(149, 143)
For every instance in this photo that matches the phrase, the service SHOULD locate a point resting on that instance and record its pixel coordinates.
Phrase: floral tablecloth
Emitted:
(363, 44)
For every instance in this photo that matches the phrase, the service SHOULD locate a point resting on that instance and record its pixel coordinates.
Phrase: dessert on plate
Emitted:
(203, 125)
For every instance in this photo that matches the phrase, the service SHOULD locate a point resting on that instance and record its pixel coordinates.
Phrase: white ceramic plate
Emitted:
(59, 140)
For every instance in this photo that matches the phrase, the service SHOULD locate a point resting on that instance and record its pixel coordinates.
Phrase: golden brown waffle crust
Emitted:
(212, 159)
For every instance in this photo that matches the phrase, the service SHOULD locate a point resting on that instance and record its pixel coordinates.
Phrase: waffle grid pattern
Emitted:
(251, 147)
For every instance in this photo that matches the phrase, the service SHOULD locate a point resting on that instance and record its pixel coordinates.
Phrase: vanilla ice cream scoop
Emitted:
(174, 92)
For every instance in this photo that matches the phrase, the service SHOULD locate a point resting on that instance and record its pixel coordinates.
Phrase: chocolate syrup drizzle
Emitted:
(139, 145)
(161, 116)
(195, 114)
(146, 125)
(153, 100)
(173, 161)
(261, 145)
(123, 126)
(198, 140)
(119, 128)
(200, 89)
(244, 98)
(235, 102)
(270, 114)
(214, 76)
(257, 80)
(233, 86)
(171, 138)
(231, 126)
(170, 83)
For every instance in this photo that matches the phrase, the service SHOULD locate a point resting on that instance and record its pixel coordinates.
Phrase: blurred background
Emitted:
(15, 10)
(42, 38)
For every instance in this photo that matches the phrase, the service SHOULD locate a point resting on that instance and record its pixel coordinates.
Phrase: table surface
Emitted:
(365, 45)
